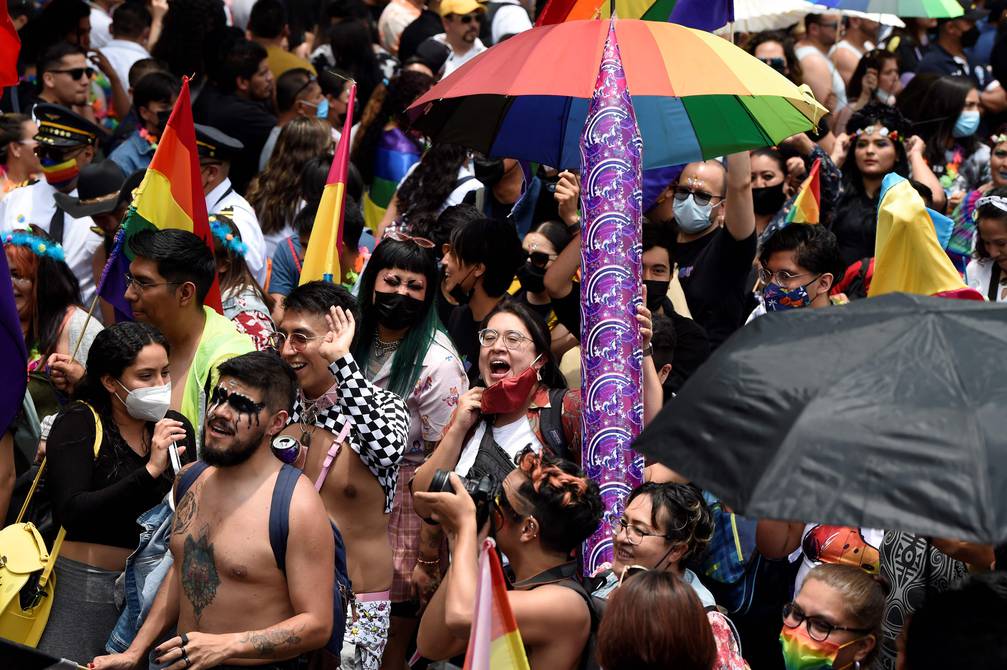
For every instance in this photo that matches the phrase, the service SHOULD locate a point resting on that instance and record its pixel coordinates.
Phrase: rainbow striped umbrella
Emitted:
(932, 9)
(696, 95)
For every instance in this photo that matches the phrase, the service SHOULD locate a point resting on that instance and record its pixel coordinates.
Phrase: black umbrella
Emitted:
(886, 413)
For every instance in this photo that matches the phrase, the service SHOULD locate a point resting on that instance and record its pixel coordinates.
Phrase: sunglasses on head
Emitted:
(77, 72)
(421, 242)
(241, 404)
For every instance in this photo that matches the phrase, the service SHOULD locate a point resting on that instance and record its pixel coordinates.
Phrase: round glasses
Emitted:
(511, 338)
(819, 628)
(780, 277)
(297, 340)
(633, 534)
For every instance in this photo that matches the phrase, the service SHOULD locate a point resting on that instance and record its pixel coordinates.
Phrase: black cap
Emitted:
(60, 127)
(971, 13)
(211, 143)
(98, 188)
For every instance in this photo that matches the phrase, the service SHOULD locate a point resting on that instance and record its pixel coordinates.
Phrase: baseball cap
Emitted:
(461, 7)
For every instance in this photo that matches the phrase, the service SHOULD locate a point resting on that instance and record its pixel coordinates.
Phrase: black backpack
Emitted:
(568, 576)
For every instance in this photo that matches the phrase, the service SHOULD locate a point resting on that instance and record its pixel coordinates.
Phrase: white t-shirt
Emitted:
(512, 438)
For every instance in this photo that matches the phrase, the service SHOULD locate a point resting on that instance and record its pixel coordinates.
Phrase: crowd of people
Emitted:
(449, 344)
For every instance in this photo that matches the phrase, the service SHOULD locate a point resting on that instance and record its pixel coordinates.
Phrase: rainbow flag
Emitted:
(395, 155)
(908, 256)
(321, 259)
(495, 642)
(171, 193)
(807, 205)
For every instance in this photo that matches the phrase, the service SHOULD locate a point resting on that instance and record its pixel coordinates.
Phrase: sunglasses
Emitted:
(702, 198)
(540, 259)
(421, 242)
(777, 63)
(629, 571)
(241, 404)
(467, 18)
(77, 72)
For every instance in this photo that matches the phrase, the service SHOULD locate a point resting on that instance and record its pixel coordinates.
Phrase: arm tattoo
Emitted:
(199, 573)
(270, 642)
(185, 512)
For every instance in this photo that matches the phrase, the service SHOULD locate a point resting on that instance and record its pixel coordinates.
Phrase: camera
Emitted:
(482, 490)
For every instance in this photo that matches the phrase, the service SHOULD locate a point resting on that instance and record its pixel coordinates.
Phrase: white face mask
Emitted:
(691, 217)
(149, 403)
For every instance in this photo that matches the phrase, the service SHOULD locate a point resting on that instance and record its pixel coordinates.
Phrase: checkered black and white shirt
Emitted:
(380, 422)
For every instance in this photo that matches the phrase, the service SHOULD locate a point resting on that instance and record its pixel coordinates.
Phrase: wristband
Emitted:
(436, 561)
(648, 350)
(575, 228)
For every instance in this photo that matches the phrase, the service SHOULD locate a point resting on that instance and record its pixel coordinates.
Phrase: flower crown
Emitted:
(39, 246)
(222, 232)
(893, 135)
(998, 139)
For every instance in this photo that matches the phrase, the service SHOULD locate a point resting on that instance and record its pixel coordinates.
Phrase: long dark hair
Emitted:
(192, 33)
(399, 93)
(876, 60)
(54, 290)
(541, 338)
(353, 51)
(407, 362)
(874, 114)
(422, 194)
(943, 104)
(237, 275)
(989, 212)
(114, 349)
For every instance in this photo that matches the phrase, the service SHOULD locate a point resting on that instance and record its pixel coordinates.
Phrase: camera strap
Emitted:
(491, 459)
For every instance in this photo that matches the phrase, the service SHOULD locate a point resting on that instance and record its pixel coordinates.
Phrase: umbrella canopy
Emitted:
(933, 9)
(696, 95)
(885, 413)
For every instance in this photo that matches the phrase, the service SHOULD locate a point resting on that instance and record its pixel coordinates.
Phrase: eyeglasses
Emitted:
(830, 26)
(780, 277)
(511, 339)
(76, 72)
(421, 242)
(47, 151)
(701, 197)
(631, 570)
(540, 258)
(819, 628)
(467, 18)
(21, 281)
(503, 504)
(633, 534)
(241, 404)
(142, 286)
(297, 340)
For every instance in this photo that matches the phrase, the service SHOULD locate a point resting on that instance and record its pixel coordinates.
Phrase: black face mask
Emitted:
(458, 294)
(970, 37)
(488, 170)
(657, 291)
(396, 311)
(532, 278)
(768, 199)
(162, 121)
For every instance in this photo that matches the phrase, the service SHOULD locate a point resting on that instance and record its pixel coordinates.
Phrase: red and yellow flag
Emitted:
(321, 259)
(807, 206)
(495, 642)
(171, 193)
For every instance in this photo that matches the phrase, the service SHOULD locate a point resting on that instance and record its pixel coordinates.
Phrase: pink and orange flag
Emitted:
(495, 643)
(807, 206)
(321, 259)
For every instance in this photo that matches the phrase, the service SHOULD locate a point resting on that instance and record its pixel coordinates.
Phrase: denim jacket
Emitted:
(145, 570)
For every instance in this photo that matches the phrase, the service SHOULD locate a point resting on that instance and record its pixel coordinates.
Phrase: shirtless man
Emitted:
(167, 283)
(355, 434)
(231, 602)
(545, 509)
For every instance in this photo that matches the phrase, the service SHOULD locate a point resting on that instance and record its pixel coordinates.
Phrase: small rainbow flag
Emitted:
(321, 259)
(171, 193)
(495, 642)
(807, 205)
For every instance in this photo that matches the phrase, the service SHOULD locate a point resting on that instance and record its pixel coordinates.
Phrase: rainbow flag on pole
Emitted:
(807, 206)
(171, 193)
(495, 643)
(321, 259)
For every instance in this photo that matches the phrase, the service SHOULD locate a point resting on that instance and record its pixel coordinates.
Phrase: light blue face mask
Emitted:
(322, 110)
(967, 124)
(692, 217)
